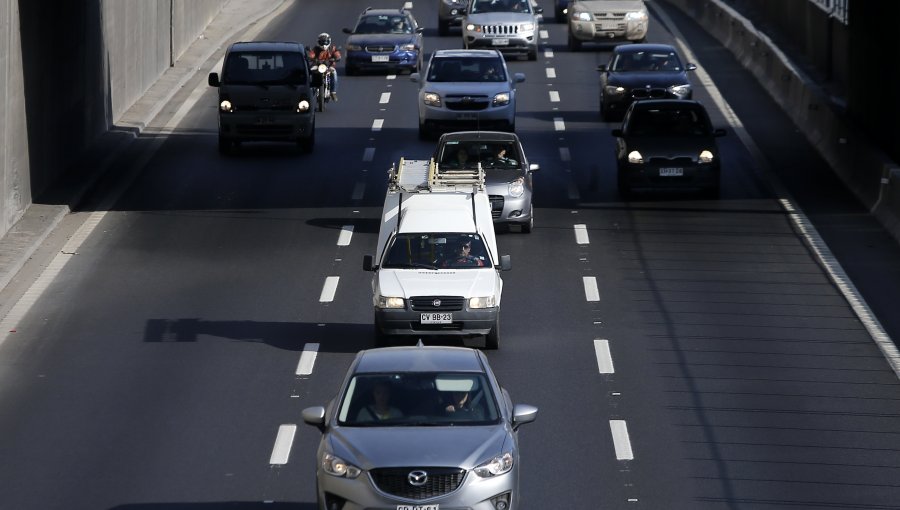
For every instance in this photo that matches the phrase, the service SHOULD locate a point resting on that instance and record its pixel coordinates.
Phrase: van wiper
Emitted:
(410, 265)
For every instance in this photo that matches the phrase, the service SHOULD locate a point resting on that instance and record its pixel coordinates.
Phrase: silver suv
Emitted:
(507, 25)
(466, 89)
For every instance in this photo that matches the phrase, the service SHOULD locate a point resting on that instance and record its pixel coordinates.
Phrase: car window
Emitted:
(434, 251)
(668, 122)
(462, 69)
(258, 68)
(383, 24)
(418, 399)
(646, 61)
(490, 153)
(481, 6)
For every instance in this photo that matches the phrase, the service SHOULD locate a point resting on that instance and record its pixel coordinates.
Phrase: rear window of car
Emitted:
(466, 69)
(265, 67)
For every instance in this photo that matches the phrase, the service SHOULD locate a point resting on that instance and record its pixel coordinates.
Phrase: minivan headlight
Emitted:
(497, 466)
(226, 106)
(389, 302)
(482, 302)
(336, 466)
(432, 99)
(517, 187)
(501, 99)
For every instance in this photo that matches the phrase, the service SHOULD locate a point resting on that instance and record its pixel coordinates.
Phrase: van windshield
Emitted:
(265, 68)
(436, 251)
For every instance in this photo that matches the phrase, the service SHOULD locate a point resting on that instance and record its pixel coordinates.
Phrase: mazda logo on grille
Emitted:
(417, 478)
(436, 303)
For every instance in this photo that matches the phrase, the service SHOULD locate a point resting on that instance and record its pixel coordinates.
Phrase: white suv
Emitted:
(507, 25)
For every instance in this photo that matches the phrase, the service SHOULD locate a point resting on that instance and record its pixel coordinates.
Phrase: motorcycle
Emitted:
(323, 79)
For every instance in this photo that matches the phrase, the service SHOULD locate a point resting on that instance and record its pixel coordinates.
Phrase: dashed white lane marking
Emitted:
(20, 309)
(581, 234)
(559, 124)
(358, 190)
(604, 357)
(283, 442)
(544, 34)
(376, 124)
(621, 441)
(329, 289)
(574, 194)
(548, 53)
(551, 72)
(385, 98)
(591, 291)
(308, 359)
(554, 96)
(391, 77)
(564, 154)
(346, 235)
(369, 153)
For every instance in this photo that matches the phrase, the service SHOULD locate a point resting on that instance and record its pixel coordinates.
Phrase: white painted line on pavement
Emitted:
(544, 34)
(621, 441)
(581, 234)
(392, 77)
(358, 190)
(329, 289)
(283, 442)
(591, 292)
(548, 53)
(564, 154)
(574, 195)
(308, 359)
(554, 96)
(604, 357)
(551, 72)
(346, 235)
(376, 124)
(369, 153)
(559, 124)
(385, 98)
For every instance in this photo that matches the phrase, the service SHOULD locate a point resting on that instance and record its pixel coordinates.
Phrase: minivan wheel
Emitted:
(492, 339)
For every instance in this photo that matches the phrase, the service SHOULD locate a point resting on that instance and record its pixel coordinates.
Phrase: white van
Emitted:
(437, 269)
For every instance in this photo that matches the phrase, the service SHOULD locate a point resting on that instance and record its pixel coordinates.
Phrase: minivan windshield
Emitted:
(265, 68)
(436, 251)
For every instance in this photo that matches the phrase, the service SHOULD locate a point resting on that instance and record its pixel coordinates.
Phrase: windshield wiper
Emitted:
(411, 265)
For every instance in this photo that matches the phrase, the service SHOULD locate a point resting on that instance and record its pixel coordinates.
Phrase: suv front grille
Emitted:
(500, 29)
(496, 205)
(439, 481)
(444, 303)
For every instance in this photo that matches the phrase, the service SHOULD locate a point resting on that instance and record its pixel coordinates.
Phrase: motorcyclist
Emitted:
(326, 53)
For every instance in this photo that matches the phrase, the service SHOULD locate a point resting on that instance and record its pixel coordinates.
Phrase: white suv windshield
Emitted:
(480, 6)
(464, 69)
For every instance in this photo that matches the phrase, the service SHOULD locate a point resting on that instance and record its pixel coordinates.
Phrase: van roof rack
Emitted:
(424, 175)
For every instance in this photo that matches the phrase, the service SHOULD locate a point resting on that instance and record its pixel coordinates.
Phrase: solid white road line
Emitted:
(591, 292)
(551, 72)
(283, 442)
(564, 154)
(345, 236)
(604, 357)
(385, 98)
(559, 124)
(369, 153)
(621, 441)
(376, 124)
(329, 289)
(581, 234)
(358, 190)
(554, 96)
(308, 359)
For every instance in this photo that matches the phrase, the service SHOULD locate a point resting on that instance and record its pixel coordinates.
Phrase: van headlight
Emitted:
(501, 99)
(336, 466)
(303, 106)
(226, 106)
(482, 302)
(497, 466)
(432, 99)
(635, 158)
(517, 187)
(389, 302)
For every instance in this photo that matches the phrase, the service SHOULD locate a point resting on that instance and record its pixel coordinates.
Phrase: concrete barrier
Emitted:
(859, 163)
(15, 184)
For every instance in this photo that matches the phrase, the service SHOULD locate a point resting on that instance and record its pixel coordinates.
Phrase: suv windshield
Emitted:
(383, 24)
(414, 399)
(435, 251)
(265, 68)
(466, 69)
(480, 6)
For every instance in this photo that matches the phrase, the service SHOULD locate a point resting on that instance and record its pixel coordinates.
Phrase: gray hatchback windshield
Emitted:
(466, 69)
(265, 68)
(413, 399)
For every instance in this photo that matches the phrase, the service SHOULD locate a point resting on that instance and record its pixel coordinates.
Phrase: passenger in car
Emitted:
(380, 408)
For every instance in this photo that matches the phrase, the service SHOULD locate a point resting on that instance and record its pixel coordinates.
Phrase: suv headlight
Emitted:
(636, 16)
(501, 99)
(517, 187)
(471, 27)
(226, 106)
(497, 466)
(635, 158)
(706, 157)
(432, 99)
(354, 47)
(336, 466)
(613, 90)
(526, 27)
(481, 302)
(582, 16)
(680, 91)
(389, 302)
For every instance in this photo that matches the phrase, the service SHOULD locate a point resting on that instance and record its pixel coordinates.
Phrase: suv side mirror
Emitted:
(213, 79)
(368, 263)
(601, 68)
(539, 10)
(505, 263)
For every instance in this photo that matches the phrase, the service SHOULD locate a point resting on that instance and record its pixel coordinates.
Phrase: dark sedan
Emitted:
(642, 71)
(667, 144)
(384, 39)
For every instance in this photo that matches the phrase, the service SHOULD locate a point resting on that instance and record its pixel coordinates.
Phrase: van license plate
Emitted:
(418, 507)
(500, 41)
(381, 58)
(436, 318)
(671, 172)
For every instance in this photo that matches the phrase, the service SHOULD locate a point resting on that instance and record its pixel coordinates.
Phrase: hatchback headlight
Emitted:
(501, 99)
(482, 302)
(583, 16)
(496, 466)
(432, 99)
(336, 466)
(706, 157)
(226, 106)
(303, 105)
(614, 90)
(517, 187)
(680, 91)
(389, 302)
(635, 158)
(354, 47)
(408, 47)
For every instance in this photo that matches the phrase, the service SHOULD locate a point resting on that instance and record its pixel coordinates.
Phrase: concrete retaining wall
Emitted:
(68, 76)
(862, 166)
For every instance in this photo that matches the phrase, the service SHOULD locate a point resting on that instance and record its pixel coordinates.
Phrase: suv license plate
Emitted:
(434, 318)
(671, 172)
(418, 507)
(380, 58)
(500, 41)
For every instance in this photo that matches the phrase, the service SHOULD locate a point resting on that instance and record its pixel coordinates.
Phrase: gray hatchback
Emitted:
(419, 427)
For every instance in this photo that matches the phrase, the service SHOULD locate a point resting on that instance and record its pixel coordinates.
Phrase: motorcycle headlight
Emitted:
(680, 91)
(482, 302)
(634, 157)
(336, 466)
(583, 16)
(226, 106)
(389, 302)
(526, 27)
(432, 99)
(636, 16)
(322, 68)
(303, 105)
(354, 47)
(517, 187)
(501, 99)
(496, 466)
(613, 90)
(706, 157)
(408, 47)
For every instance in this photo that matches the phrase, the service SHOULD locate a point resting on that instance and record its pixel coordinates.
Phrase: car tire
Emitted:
(604, 112)
(492, 339)
(528, 226)
(574, 44)
(560, 16)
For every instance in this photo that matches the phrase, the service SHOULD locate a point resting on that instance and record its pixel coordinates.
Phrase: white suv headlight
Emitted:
(501, 99)
(526, 27)
(517, 187)
(636, 16)
(432, 99)
(303, 105)
(582, 16)
(481, 302)
(336, 466)
(389, 302)
(496, 466)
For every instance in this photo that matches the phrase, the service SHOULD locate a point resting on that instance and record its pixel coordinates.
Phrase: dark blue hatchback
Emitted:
(384, 39)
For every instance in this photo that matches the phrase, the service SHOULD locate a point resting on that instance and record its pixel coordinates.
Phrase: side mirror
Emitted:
(539, 10)
(616, 132)
(414, 77)
(601, 68)
(690, 67)
(522, 414)
(719, 132)
(213, 80)
(419, 30)
(315, 416)
(368, 263)
(519, 77)
(534, 167)
(505, 263)
(346, 31)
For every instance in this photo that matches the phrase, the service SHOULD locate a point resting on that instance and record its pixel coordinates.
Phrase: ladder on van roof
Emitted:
(420, 175)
